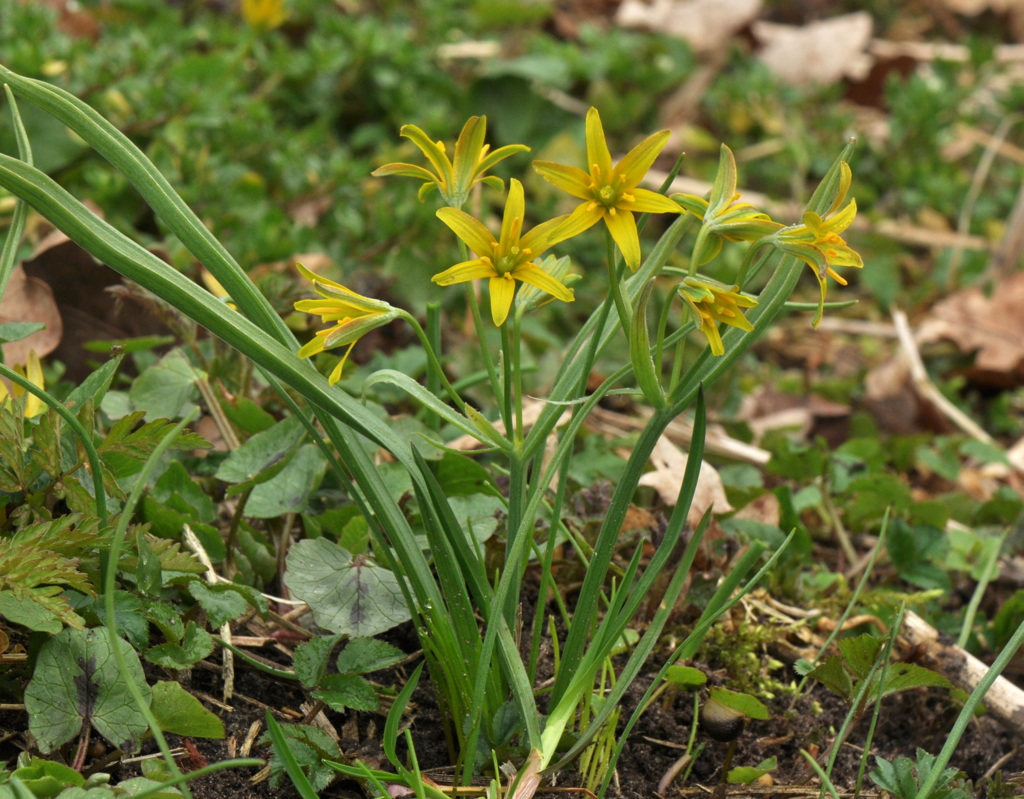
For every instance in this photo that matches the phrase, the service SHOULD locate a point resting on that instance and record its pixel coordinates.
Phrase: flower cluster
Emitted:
(609, 192)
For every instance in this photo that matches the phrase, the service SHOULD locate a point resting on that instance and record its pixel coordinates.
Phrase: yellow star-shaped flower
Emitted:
(817, 241)
(711, 302)
(352, 315)
(611, 192)
(453, 179)
(511, 256)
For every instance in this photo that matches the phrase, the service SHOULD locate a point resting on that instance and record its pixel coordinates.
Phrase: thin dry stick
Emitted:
(926, 388)
(225, 631)
(963, 225)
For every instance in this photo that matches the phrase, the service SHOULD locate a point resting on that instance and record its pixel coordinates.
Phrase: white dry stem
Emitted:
(228, 657)
(1004, 700)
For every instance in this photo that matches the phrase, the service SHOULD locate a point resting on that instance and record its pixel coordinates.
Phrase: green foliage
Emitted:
(843, 673)
(177, 711)
(348, 595)
(902, 776)
(76, 683)
(310, 747)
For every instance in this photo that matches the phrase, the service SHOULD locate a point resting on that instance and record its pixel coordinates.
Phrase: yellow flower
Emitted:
(510, 257)
(353, 316)
(711, 302)
(609, 192)
(454, 180)
(817, 241)
(264, 15)
(724, 218)
(33, 372)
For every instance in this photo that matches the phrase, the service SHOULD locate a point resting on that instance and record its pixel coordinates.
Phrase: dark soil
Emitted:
(914, 719)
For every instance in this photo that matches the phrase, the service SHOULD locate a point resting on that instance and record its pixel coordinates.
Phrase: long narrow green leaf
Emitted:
(291, 763)
(138, 264)
(17, 227)
(156, 190)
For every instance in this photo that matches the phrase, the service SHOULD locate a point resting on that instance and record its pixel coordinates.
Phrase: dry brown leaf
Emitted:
(990, 326)
(764, 509)
(669, 465)
(820, 52)
(707, 25)
(29, 299)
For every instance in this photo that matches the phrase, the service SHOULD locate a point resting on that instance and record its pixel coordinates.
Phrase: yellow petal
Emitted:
(502, 289)
(468, 149)
(434, 153)
(639, 160)
(597, 146)
(469, 229)
(512, 221)
(535, 276)
(650, 202)
(567, 178)
(466, 271)
(623, 229)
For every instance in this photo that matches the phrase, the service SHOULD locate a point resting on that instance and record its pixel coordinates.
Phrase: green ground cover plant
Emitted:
(130, 545)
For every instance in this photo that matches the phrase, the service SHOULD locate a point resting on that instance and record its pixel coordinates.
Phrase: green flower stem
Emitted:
(433, 345)
(587, 606)
(615, 270)
(659, 344)
(517, 379)
(506, 399)
(435, 372)
(95, 466)
(595, 334)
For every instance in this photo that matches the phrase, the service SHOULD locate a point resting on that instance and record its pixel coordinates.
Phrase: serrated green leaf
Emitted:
(904, 676)
(76, 678)
(310, 746)
(165, 390)
(311, 658)
(363, 655)
(343, 691)
(222, 602)
(177, 711)
(859, 652)
(33, 613)
(167, 619)
(831, 673)
(195, 645)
